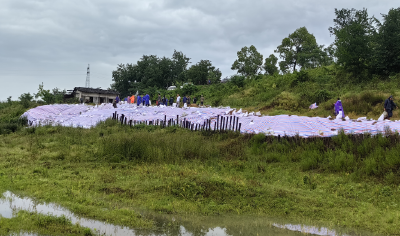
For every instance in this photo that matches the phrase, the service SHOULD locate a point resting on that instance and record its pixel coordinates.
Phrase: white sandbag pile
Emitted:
(88, 116)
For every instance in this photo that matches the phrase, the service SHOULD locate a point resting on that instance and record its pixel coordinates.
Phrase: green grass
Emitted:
(28, 222)
(111, 171)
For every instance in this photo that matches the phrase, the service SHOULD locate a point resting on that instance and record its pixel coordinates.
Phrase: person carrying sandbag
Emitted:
(339, 112)
(389, 106)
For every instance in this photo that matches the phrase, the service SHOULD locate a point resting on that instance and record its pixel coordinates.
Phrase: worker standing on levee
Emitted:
(178, 100)
(133, 99)
(339, 108)
(147, 100)
(139, 100)
(389, 106)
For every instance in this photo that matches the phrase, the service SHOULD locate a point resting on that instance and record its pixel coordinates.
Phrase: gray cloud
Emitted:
(53, 41)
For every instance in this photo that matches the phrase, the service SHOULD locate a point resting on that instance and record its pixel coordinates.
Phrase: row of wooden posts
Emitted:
(223, 123)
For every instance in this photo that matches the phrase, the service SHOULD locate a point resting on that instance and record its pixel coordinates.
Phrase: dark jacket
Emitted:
(389, 104)
(184, 99)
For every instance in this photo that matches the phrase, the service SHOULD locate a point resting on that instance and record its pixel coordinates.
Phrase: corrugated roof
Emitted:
(93, 90)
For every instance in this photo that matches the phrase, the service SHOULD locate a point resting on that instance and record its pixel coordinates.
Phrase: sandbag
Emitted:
(339, 115)
(382, 117)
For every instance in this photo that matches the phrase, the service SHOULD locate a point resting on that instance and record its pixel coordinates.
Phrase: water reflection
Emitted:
(308, 229)
(166, 225)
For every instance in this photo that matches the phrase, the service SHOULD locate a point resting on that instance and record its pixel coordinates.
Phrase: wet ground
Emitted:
(172, 224)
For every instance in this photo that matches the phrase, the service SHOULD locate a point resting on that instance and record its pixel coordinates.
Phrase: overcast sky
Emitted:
(53, 41)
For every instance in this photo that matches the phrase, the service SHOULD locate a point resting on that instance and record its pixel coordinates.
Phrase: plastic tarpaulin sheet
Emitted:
(89, 116)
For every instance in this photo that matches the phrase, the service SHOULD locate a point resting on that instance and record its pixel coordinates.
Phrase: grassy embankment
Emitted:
(109, 171)
(294, 93)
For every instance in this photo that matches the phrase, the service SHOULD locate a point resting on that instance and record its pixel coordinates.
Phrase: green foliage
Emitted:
(203, 71)
(56, 96)
(286, 101)
(353, 31)
(302, 76)
(10, 116)
(24, 221)
(321, 96)
(45, 95)
(300, 49)
(364, 103)
(188, 89)
(237, 80)
(249, 61)
(152, 72)
(387, 52)
(270, 65)
(25, 99)
(47, 220)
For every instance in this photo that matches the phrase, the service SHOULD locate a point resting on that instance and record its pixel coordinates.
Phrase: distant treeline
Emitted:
(363, 46)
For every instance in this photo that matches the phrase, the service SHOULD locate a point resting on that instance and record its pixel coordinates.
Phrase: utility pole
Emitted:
(87, 85)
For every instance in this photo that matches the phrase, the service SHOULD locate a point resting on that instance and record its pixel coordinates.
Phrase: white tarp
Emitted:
(88, 116)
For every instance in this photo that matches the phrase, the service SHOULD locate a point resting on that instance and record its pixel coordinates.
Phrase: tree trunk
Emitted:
(294, 67)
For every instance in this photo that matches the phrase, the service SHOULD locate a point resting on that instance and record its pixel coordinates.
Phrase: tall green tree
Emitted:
(249, 61)
(388, 44)
(180, 65)
(354, 33)
(270, 65)
(300, 49)
(150, 74)
(202, 71)
(148, 71)
(125, 79)
(166, 66)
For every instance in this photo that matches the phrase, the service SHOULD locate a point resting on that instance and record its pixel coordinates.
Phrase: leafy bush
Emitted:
(25, 99)
(189, 89)
(286, 101)
(363, 103)
(302, 76)
(321, 96)
(237, 80)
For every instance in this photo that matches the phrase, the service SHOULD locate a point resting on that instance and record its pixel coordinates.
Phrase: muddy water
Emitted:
(170, 225)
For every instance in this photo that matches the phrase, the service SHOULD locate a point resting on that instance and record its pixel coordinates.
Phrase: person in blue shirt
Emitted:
(389, 106)
(117, 99)
(139, 100)
(147, 100)
(171, 101)
(184, 100)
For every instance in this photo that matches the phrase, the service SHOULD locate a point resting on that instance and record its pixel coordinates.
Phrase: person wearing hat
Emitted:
(389, 106)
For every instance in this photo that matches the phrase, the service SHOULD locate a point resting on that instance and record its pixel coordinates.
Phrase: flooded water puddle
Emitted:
(309, 229)
(184, 226)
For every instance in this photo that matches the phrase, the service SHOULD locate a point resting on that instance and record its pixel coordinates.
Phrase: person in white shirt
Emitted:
(178, 100)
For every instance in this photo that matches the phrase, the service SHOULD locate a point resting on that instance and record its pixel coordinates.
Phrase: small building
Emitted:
(93, 95)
